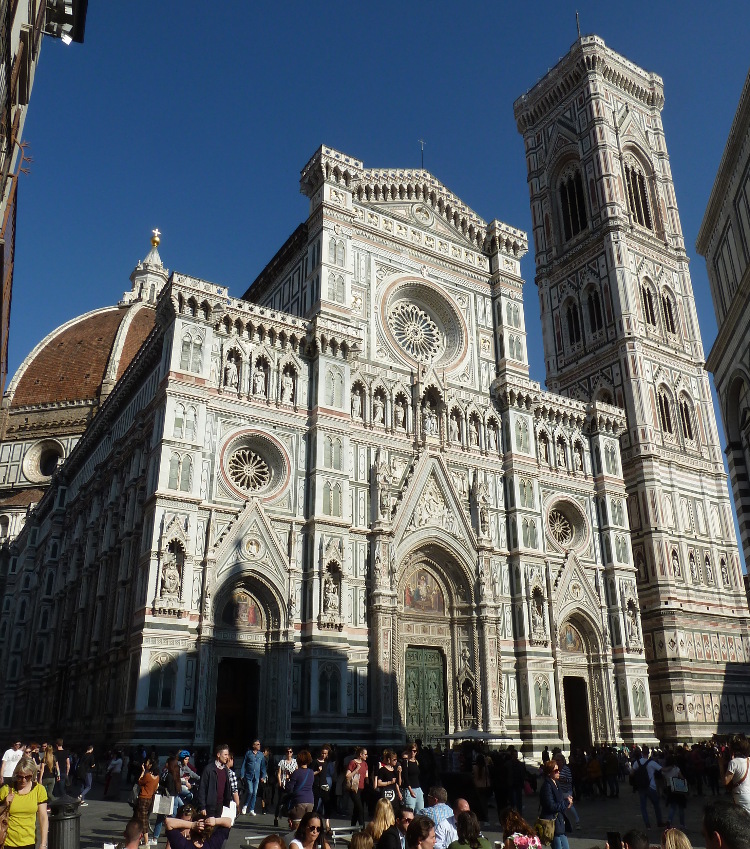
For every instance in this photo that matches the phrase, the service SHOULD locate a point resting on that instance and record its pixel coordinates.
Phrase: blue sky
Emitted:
(197, 117)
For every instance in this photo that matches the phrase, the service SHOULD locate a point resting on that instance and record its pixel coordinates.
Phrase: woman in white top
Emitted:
(309, 835)
(736, 773)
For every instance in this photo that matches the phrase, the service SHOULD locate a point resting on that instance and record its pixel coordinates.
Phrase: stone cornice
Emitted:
(729, 160)
(589, 55)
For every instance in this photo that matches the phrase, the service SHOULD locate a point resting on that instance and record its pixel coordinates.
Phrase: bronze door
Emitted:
(425, 695)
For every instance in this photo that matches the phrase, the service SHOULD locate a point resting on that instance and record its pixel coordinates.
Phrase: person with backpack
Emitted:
(643, 779)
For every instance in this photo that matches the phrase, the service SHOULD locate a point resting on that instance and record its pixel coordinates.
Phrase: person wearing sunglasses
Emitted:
(309, 834)
(287, 767)
(27, 806)
(552, 803)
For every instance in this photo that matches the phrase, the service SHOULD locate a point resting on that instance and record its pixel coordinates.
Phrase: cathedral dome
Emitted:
(73, 363)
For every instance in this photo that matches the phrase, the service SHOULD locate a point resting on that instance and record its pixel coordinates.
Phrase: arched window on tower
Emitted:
(595, 311)
(667, 308)
(686, 419)
(665, 413)
(637, 194)
(648, 305)
(572, 206)
(574, 324)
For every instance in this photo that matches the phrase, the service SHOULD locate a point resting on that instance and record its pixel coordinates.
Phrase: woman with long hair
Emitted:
(552, 803)
(26, 802)
(173, 785)
(287, 765)
(673, 838)
(309, 834)
(361, 840)
(411, 780)
(49, 771)
(356, 776)
(300, 787)
(517, 833)
(385, 780)
(382, 819)
(469, 832)
(420, 834)
(149, 784)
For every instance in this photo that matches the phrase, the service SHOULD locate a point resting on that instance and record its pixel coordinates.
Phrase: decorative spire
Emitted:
(149, 276)
(153, 257)
(155, 237)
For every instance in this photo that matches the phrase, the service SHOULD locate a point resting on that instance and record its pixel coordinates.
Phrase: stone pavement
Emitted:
(105, 820)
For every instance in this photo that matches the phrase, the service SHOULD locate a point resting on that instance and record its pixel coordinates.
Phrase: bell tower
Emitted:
(620, 326)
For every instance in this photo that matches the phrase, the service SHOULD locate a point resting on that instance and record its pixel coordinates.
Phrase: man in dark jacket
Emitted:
(214, 792)
(395, 836)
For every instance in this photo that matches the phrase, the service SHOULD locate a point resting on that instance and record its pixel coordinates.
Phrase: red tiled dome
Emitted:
(71, 363)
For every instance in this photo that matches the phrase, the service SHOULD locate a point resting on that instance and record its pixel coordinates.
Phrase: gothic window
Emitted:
(329, 689)
(161, 685)
(665, 413)
(637, 194)
(522, 435)
(648, 305)
(668, 311)
(572, 206)
(326, 499)
(334, 387)
(639, 700)
(526, 490)
(686, 419)
(190, 422)
(336, 251)
(191, 355)
(179, 422)
(180, 472)
(336, 288)
(574, 324)
(50, 583)
(596, 321)
(332, 452)
(336, 500)
(541, 697)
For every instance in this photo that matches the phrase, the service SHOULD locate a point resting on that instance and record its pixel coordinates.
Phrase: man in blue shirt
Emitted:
(254, 772)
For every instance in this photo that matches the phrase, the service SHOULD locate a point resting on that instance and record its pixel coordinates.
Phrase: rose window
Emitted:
(560, 527)
(415, 331)
(248, 470)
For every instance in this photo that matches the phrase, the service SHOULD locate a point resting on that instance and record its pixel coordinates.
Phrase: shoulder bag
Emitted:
(352, 783)
(4, 814)
(545, 829)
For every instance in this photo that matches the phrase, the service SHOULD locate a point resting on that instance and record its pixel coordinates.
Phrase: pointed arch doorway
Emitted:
(424, 677)
(574, 665)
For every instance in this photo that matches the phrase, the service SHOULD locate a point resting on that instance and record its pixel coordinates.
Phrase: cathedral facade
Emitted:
(339, 508)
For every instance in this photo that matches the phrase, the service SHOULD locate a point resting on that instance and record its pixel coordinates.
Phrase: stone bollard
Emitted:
(64, 822)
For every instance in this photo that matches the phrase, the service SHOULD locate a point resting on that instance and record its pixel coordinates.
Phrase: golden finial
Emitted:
(155, 238)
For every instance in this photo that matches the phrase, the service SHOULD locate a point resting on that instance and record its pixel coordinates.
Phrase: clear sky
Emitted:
(197, 117)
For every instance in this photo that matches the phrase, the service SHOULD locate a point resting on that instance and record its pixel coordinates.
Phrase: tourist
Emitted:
(208, 832)
(385, 780)
(635, 839)
(234, 785)
(381, 821)
(132, 835)
(438, 809)
(361, 840)
(214, 791)
(675, 789)
(188, 776)
(420, 834)
(309, 834)
(27, 806)
(299, 787)
(286, 767)
(410, 778)
(469, 833)
(85, 773)
(517, 833)
(272, 841)
(172, 784)
(673, 838)
(323, 771)
(552, 803)
(446, 831)
(114, 777)
(395, 836)
(565, 783)
(271, 786)
(148, 784)
(63, 762)
(253, 772)
(356, 776)
(645, 784)
(726, 826)
(49, 772)
(10, 760)
(734, 768)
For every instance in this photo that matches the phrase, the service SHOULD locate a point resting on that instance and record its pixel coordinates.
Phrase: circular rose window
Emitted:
(255, 463)
(422, 324)
(567, 525)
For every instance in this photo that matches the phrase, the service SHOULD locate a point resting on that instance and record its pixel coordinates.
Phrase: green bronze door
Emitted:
(425, 695)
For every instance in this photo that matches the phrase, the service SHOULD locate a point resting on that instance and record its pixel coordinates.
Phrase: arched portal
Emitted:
(580, 684)
(436, 640)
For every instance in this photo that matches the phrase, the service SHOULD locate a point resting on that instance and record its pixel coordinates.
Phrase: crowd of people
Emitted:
(196, 799)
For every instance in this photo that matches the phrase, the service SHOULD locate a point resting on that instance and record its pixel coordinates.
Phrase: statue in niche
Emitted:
(693, 568)
(399, 416)
(291, 606)
(378, 410)
(170, 578)
(543, 450)
(676, 568)
(483, 507)
(215, 367)
(537, 613)
(196, 589)
(631, 626)
(453, 431)
(473, 434)
(356, 405)
(330, 596)
(561, 455)
(287, 388)
(259, 383)
(578, 458)
(467, 702)
(231, 375)
(491, 438)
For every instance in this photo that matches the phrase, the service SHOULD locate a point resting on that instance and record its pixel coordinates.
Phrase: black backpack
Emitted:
(639, 777)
